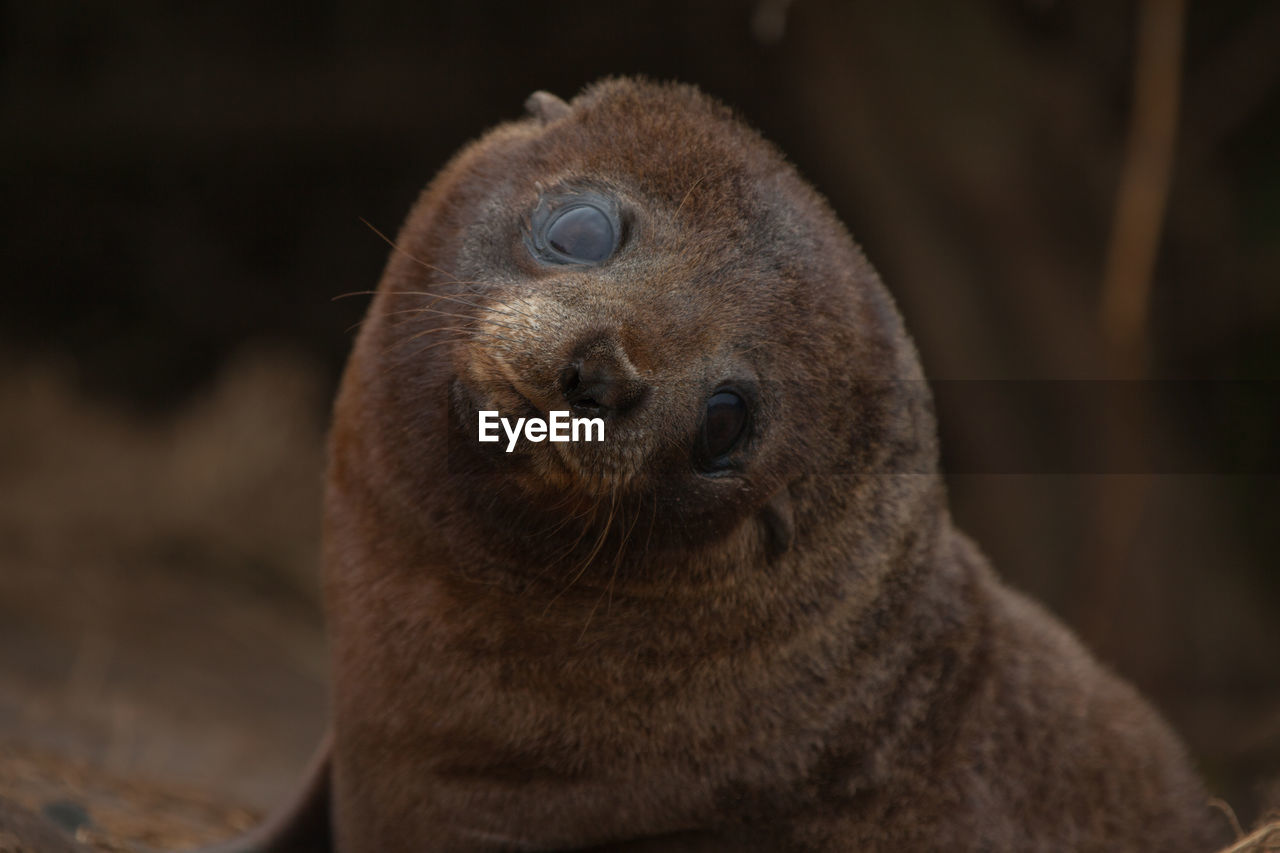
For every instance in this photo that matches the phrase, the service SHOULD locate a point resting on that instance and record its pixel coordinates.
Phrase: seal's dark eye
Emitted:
(724, 423)
(582, 233)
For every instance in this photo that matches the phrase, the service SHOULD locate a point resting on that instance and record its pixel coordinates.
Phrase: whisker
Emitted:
(500, 308)
(577, 541)
(600, 540)
(653, 520)
(617, 562)
(568, 517)
(352, 293)
(445, 283)
(692, 187)
(504, 309)
(419, 352)
(401, 342)
(407, 254)
(473, 330)
(429, 310)
(608, 591)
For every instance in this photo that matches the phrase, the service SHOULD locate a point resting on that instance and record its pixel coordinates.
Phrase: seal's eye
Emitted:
(723, 425)
(582, 233)
(583, 226)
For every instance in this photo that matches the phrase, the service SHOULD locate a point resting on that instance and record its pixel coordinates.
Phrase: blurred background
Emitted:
(1056, 193)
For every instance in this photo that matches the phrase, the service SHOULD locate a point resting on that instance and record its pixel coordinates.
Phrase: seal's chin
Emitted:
(592, 470)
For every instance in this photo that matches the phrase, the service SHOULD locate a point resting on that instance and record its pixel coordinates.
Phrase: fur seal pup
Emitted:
(743, 620)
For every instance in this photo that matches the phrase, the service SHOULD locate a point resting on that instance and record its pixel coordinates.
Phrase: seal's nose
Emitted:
(601, 381)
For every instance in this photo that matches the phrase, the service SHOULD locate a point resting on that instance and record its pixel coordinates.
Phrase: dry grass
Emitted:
(158, 615)
(1265, 839)
(127, 815)
(234, 476)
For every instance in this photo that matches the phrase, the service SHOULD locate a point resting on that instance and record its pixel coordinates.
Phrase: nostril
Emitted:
(599, 386)
(570, 378)
(581, 394)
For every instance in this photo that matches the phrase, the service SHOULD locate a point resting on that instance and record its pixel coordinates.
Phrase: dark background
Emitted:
(184, 187)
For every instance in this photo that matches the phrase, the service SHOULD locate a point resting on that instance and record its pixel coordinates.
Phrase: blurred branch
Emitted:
(1108, 572)
(1144, 182)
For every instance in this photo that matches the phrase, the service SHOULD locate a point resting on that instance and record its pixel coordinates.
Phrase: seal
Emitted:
(743, 620)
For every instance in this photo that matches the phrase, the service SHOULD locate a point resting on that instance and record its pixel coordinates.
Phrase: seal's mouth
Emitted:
(524, 406)
(599, 466)
(503, 397)
(492, 384)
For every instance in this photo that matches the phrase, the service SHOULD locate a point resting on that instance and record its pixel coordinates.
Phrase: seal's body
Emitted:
(744, 620)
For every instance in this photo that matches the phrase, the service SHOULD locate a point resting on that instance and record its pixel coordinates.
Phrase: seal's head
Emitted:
(641, 257)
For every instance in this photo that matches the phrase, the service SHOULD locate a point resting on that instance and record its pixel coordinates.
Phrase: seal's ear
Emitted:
(545, 106)
(779, 520)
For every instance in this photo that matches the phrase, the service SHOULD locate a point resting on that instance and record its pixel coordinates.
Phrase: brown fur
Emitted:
(596, 645)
